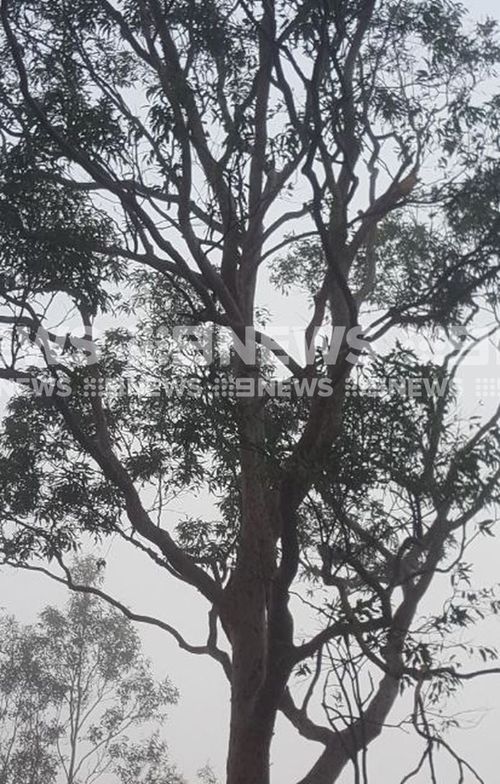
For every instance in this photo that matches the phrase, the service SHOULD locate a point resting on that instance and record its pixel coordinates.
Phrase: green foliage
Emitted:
(35, 216)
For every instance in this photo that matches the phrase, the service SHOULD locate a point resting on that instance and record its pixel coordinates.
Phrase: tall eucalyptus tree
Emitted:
(167, 158)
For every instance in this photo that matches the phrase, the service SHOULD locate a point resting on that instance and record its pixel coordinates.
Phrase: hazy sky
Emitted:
(198, 726)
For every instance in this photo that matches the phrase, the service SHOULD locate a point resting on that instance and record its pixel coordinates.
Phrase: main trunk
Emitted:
(250, 738)
(250, 617)
(252, 717)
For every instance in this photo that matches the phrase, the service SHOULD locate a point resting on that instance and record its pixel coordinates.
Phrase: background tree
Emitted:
(27, 731)
(167, 158)
(77, 695)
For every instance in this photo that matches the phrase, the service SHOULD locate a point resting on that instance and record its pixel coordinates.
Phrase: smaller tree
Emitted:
(78, 701)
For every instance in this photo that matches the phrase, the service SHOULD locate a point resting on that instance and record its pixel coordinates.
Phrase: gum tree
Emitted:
(162, 160)
(74, 690)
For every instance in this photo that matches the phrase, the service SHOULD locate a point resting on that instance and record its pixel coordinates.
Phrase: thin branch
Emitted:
(206, 650)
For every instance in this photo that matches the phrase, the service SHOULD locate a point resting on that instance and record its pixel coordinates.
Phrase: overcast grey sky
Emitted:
(198, 726)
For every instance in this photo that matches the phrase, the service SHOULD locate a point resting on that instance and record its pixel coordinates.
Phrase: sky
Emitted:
(197, 728)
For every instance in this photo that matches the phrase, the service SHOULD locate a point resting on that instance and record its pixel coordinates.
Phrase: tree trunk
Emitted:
(251, 727)
(250, 739)
(257, 678)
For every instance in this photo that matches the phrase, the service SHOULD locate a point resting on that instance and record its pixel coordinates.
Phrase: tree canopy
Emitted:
(163, 165)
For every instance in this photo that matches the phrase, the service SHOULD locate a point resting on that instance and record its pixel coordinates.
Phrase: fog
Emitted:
(197, 727)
